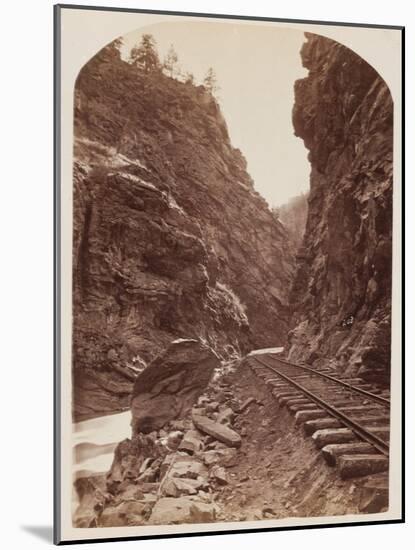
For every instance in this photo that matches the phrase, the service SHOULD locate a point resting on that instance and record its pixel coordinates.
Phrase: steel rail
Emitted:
(359, 430)
(377, 398)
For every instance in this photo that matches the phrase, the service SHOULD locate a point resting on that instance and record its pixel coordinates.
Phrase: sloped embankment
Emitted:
(181, 475)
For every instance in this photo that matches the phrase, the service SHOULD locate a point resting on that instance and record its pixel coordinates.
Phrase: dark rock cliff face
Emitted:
(342, 291)
(170, 238)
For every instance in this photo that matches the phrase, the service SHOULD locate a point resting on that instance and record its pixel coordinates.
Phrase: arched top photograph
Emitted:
(228, 195)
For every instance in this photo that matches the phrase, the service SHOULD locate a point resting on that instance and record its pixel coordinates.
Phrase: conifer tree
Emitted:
(210, 82)
(144, 55)
(171, 61)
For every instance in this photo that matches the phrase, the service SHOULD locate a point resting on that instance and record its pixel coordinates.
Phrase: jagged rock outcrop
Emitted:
(342, 292)
(170, 239)
(167, 389)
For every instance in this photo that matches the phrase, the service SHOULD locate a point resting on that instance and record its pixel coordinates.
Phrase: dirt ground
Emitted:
(275, 473)
(278, 473)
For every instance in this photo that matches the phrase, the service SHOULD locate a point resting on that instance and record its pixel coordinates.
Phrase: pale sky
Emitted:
(256, 68)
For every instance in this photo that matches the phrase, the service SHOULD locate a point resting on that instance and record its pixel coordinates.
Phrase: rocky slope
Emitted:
(170, 238)
(182, 474)
(342, 292)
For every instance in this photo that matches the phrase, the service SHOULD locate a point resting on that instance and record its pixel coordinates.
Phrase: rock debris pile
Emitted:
(235, 455)
(171, 470)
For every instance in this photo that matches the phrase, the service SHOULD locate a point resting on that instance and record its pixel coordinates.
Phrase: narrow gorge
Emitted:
(193, 297)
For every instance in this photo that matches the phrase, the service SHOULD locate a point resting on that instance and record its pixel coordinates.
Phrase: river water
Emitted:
(94, 441)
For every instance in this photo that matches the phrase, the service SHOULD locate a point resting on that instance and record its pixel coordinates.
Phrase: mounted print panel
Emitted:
(228, 274)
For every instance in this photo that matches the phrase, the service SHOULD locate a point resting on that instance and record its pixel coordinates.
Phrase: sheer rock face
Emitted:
(342, 291)
(170, 239)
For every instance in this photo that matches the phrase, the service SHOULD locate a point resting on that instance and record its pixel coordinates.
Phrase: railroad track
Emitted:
(347, 419)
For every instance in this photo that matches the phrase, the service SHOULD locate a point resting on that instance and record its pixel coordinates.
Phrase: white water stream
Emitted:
(94, 441)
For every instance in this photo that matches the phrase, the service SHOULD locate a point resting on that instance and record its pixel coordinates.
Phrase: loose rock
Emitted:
(191, 442)
(169, 511)
(218, 473)
(246, 403)
(220, 432)
(226, 416)
(174, 439)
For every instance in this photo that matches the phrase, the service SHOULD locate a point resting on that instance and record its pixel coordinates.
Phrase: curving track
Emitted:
(347, 418)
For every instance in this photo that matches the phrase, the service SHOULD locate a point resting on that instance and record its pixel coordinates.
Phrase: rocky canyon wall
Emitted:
(342, 290)
(170, 238)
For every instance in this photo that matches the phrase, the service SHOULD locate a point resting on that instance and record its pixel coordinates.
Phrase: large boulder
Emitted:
(169, 386)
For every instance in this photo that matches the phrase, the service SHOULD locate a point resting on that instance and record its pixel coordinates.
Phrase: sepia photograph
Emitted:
(228, 205)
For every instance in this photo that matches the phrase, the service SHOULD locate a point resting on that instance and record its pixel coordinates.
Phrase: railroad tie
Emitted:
(301, 400)
(346, 417)
(326, 436)
(329, 422)
(284, 397)
(311, 426)
(304, 415)
(359, 465)
(332, 452)
(332, 435)
(295, 407)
